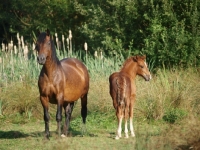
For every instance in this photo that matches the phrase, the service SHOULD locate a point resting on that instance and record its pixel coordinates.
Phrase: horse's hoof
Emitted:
(117, 138)
(63, 136)
(47, 137)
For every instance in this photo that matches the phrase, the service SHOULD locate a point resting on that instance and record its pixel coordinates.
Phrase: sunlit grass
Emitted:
(166, 108)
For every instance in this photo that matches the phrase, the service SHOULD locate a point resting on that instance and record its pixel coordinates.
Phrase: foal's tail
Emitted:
(121, 88)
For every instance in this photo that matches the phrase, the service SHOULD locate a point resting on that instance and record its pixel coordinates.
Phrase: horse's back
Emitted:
(75, 65)
(76, 78)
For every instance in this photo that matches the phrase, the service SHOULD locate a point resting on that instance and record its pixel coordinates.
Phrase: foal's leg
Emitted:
(45, 104)
(126, 116)
(68, 112)
(119, 117)
(131, 115)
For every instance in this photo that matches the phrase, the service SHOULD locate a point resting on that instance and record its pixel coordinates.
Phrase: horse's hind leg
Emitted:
(84, 112)
(68, 112)
(84, 108)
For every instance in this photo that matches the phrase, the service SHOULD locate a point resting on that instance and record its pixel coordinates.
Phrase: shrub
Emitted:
(174, 114)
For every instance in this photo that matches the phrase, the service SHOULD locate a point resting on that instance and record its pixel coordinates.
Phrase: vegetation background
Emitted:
(167, 31)
(167, 111)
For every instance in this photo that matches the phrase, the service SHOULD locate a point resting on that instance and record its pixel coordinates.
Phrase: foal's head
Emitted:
(43, 47)
(142, 68)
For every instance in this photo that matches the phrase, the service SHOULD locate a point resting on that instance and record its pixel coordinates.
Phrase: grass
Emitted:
(166, 113)
(161, 136)
(19, 131)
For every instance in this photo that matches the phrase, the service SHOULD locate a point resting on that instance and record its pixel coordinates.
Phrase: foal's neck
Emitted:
(131, 70)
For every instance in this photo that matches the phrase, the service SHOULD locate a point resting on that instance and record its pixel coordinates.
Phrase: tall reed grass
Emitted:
(171, 97)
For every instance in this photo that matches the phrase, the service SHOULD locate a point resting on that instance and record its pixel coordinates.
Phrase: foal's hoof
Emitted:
(117, 138)
(63, 136)
(132, 135)
(126, 136)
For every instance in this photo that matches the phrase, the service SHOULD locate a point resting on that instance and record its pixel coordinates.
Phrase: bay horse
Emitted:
(123, 90)
(60, 82)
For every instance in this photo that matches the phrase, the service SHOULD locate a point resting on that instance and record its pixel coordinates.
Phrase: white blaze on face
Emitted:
(145, 63)
(147, 67)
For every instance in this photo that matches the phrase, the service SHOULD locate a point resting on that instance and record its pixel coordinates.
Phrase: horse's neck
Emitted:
(51, 67)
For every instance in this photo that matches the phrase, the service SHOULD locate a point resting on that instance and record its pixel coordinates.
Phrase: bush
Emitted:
(174, 114)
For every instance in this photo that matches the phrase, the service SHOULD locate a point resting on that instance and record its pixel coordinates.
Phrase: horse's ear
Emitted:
(135, 58)
(38, 32)
(48, 32)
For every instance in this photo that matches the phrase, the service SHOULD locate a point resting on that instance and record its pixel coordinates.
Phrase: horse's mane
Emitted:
(127, 61)
(53, 48)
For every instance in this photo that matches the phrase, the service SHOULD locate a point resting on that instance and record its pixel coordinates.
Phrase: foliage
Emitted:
(166, 31)
(172, 37)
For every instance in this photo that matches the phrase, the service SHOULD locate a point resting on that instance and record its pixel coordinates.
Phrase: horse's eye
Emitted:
(49, 42)
(141, 66)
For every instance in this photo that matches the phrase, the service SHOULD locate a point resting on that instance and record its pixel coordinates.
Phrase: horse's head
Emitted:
(43, 47)
(142, 68)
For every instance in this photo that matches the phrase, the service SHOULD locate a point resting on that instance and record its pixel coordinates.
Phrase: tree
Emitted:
(166, 31)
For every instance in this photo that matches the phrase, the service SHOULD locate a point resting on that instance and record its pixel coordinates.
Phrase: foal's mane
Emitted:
(127, 61)
(133, 59)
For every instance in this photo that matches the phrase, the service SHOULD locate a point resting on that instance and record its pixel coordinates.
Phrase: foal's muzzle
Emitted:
(147, 77)
(41, 59)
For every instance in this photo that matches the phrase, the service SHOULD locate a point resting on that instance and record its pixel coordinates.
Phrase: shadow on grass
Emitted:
(192, 146)
(80, 133)
(71, 133)
(18, 134)
(12, 134)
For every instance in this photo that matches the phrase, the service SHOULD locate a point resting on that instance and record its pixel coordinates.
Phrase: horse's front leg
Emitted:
(45, 104)
(68, 112)
(60, 100)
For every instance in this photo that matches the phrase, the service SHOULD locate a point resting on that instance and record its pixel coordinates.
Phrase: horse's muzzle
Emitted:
(41, 59)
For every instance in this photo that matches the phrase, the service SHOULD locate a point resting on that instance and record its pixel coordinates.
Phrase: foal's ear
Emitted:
(48, 32)
(144, 57)
(135, 58)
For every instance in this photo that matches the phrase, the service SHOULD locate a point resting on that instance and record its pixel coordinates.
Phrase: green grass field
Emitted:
(166, 114)
(21, 130)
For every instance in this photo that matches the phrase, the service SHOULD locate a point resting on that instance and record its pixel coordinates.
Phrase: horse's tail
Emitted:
(121, 88)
